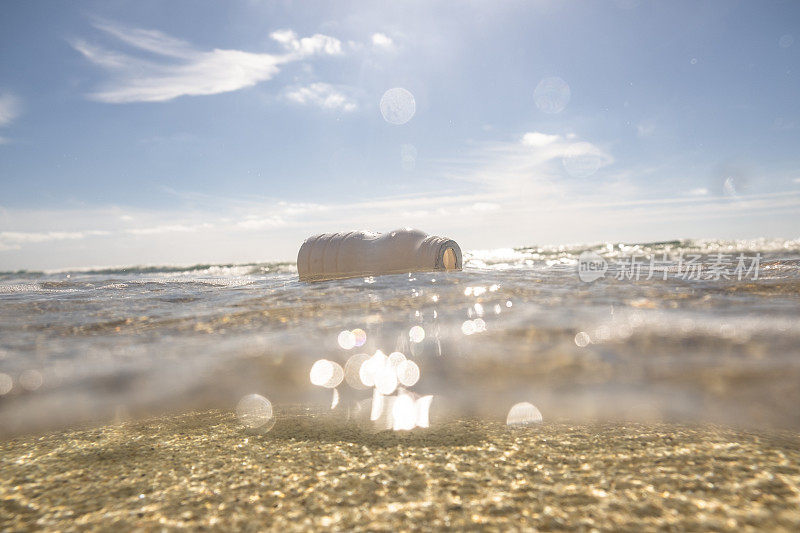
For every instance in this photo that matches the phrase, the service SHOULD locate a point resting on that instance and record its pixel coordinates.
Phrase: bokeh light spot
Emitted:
(326, 374)
(360, 336)
(408, 373)
(347, 340)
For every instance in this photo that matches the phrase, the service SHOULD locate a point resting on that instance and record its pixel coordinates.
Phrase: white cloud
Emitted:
(381, 40)
(9, 108)
(307, 46)
(322, 95)
(169, 228)
(179, 69)
(700, 191)
(535, 138)
(261, 222)
(796, 180)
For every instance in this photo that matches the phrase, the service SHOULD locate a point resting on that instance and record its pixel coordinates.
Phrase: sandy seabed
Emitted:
(202, 470)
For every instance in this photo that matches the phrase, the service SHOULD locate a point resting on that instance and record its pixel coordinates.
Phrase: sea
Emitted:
(689, 331)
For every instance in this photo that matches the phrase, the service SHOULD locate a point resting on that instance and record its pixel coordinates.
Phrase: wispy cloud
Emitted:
(322, 95)
(536, 165)
(165, 67)
(700, 191)
(14, 240)
(10, 108)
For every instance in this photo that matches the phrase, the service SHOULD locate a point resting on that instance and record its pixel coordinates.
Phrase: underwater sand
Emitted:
(203, 471)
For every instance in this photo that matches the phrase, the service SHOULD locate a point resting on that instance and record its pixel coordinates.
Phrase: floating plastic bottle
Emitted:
(363, 253)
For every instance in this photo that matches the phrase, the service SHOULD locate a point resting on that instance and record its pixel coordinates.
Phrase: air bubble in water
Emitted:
(255, 412)
(523, 413)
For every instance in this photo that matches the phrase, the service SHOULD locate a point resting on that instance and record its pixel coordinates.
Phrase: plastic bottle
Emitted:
(364, 253)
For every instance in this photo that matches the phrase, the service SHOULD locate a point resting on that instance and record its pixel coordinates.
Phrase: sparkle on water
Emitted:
(255, 412)
(398, 106)
(522, 414)
(386, 380)
(552, 95)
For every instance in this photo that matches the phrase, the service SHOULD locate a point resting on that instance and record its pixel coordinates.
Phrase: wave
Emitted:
(517, 257)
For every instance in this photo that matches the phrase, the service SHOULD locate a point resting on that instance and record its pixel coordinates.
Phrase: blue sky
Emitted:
(184, 132)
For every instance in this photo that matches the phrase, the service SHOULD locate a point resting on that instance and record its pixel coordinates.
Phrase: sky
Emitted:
(185, 132)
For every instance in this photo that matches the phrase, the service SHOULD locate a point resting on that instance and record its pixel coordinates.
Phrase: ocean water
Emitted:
(683, 331)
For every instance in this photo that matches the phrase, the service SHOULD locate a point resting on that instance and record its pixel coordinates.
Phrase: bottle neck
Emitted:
(444, 253)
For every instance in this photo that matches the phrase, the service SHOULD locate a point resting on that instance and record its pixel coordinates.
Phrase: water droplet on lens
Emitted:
(582, 339)
(583, 159)
(552, 95)
(398, 106)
